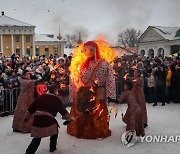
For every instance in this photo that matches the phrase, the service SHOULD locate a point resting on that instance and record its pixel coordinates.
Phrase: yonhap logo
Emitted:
(129, 138)
(161, 138)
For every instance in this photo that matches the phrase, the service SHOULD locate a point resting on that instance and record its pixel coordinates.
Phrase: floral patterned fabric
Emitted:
(94, 124)
(25, 99)
(133, 116)
(139, 94)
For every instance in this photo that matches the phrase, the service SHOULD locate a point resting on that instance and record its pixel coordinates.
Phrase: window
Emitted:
(46, 51)
(28, 52)
(55, 51)
(28, 38)
(17, 38)
(37, 51)
(18, 52)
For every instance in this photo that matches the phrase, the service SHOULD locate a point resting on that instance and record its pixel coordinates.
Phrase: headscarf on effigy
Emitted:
(97, 54)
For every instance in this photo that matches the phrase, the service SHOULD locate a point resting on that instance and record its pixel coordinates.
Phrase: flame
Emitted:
(96, 108)
(91, 89)
(96, 81)
(61, 70)
(114, 109)
(62, 85)
(119, 64)
(92, 99)
(53, 76)
(105, 50)
(56, 66)
(125, 76)
(79, 59)
(100, 112)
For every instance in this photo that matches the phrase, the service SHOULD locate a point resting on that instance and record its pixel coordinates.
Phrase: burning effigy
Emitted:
(91, 82)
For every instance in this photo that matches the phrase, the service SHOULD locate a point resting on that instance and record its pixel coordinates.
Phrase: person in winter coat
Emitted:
(133, 117)
(44, 109)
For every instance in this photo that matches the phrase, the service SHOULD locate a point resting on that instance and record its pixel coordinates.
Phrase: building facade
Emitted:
(19, 37)
(159, 41)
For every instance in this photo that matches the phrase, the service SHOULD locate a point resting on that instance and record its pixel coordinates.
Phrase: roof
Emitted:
(10, 22)
(46, 38)
(168, 33)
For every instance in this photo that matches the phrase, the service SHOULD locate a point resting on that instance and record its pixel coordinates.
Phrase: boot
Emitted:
(155, 104)
(163, 104)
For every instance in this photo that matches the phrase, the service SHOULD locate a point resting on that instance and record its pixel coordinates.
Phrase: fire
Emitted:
(91, 89)
(100, 112)
(96, 81)
(56, 66)
(79, 59)
(92, 99)
(114, 109)
(53, 76)
(125, 76)
(119, 64)
(106, 51)
(62, 85)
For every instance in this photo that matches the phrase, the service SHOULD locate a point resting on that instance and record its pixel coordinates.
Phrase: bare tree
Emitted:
(129, 37)
(71, 40)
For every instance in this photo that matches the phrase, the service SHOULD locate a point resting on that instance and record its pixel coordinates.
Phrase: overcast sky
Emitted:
(93, 17)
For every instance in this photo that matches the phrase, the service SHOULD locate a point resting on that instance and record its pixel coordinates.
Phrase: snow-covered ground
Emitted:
(163, 120)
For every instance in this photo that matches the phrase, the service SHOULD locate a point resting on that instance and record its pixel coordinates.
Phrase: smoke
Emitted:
(94, 18)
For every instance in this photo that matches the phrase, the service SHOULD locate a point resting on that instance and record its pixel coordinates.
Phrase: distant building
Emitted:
(46, 44)
(20, 38)
(159, 41)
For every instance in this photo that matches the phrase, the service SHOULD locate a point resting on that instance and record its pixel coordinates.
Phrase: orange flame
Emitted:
(56, 66)
(96, 81)
(91, 89)
(53, 76)
(100, 112)
(119, 64)
(105, 50)
(79, 59)
(125, 76)
(92, 99)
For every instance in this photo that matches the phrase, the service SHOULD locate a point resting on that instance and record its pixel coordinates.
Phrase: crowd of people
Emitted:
(131, 79)
(161, 77)
(43, 70)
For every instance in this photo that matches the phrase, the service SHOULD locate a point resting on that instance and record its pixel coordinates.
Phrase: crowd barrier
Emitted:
(8, 98)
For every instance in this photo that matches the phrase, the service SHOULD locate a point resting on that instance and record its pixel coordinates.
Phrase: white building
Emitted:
(20, 38)
(159, 41)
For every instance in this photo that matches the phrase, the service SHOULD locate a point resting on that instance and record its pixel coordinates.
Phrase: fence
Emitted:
(8, 98)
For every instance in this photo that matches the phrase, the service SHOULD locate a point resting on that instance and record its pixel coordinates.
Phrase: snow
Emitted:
(7, 21)
(163, 120)
(45, 38)
(167, 32)
(68, 51)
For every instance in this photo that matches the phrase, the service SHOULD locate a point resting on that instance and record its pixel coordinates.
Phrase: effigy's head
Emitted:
(91, 50)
